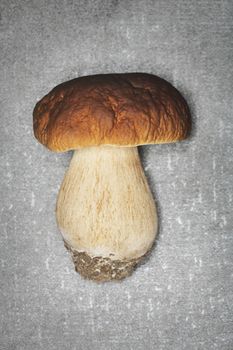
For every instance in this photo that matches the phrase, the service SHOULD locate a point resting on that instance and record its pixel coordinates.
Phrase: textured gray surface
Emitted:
(182, 297)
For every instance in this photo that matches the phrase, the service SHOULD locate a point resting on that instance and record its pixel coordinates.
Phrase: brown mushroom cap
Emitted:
(128, 109)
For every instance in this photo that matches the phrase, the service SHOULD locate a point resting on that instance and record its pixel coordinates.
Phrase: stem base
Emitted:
(101, 269)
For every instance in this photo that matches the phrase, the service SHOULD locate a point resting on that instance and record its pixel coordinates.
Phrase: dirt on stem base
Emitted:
(101, 269)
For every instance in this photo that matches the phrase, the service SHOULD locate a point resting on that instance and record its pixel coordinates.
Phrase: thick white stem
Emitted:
(105, 207)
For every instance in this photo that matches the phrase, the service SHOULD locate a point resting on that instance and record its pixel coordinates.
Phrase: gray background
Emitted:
(182, 297)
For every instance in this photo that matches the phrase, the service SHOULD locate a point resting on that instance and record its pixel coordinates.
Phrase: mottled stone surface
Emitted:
(182, 296)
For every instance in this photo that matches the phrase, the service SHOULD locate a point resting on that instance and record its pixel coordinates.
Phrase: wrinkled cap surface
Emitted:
(128, 109)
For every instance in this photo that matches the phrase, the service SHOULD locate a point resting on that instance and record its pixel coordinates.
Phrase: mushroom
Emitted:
(105, 210)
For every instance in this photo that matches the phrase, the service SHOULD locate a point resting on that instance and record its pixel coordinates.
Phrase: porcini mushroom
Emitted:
(105, 210)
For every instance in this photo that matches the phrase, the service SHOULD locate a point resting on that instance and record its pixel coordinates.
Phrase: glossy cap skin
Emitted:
(128, 109)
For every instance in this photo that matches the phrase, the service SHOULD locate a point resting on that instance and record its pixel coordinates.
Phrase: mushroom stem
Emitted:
(106, 212)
